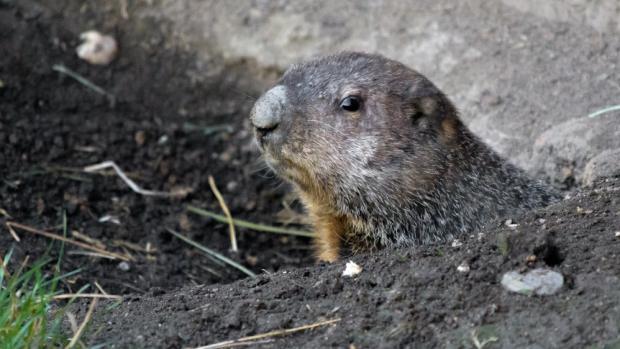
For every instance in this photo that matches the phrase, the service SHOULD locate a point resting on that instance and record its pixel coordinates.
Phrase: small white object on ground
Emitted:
(109, 218)
(351, 269)
(463, 267)
(97, 48)
(456, 243)
(618, 234)
(510, 224)
(124, 266)
(136, 188)
(538, 281)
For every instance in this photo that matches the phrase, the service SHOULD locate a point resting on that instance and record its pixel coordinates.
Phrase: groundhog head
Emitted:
(355, 128)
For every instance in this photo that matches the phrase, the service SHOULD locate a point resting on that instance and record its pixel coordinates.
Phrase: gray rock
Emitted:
(605, 164)
(563, 151)
(538, 281)
(124, 266)
(514, 68)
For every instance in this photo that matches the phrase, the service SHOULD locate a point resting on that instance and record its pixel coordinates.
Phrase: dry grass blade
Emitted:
(78, 334)
(89, 254)
(86, 295)
(135, 187)
(85, 246)
(84, 81)
(100, 288)
(135, 247)
(4, 213)
(213, 254)
(249, 225)
(87, 239)
(231, 224)
(254, 338)
(12, 232)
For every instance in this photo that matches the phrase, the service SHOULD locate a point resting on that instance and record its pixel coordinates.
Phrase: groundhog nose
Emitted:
(267, 112)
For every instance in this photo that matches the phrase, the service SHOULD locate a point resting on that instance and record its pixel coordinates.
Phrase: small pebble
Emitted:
(110, 218)
(231, 186)
(538, 281)
(97, 48)
(456, 243)
(162, 140)
(351, 269)
(463, 267)
(124, 266)
(140, 138)
(510, 224)
(617, 234)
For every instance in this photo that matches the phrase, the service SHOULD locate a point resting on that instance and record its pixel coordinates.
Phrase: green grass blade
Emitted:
(604, 111)
(249, 225)
(213, 253)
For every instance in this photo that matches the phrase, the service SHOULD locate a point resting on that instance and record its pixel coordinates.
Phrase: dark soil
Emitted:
(51, 127)
(413, 298)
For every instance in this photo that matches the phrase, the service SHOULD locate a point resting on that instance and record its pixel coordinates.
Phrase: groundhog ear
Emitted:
(429, 108)
(423, 98)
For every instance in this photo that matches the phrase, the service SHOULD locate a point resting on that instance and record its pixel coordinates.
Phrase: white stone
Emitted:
(97, 48)
(538, 281)
(351, 269)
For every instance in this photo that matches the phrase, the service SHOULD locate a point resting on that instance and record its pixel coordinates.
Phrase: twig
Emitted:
(12, 232)
(249, 225)
(604, 111)
(236, 342)
(88, 239)
(135, 247)
(213, 254)
(84, 81)
(89, 254)
(124, 12)
(4, 213)
(67, 240)
(231, 225)
(86, 295)
(78, 334)
(135, 187)
(248, 344)
(100, 288)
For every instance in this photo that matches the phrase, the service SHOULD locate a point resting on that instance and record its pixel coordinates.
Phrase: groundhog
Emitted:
(380, 157)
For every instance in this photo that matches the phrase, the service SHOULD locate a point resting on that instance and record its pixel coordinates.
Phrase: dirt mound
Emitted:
(415, 298)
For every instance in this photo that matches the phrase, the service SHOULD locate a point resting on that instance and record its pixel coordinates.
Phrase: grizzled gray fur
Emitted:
(380, 157)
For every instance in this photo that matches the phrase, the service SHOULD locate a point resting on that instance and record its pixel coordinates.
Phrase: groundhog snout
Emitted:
(268, 115)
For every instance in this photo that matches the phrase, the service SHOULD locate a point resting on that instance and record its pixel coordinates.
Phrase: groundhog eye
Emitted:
(350, 103)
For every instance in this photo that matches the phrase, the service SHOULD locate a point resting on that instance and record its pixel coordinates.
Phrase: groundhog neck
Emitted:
(482, 186)
(477, 187)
